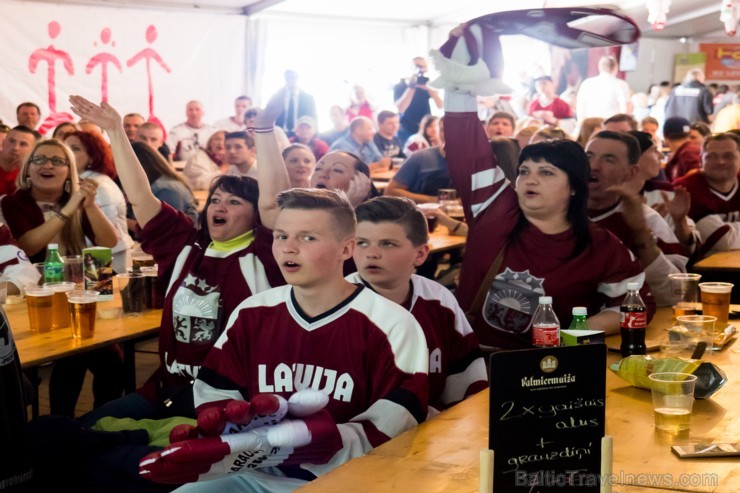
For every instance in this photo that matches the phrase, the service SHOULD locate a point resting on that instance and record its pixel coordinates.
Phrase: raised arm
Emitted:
(133, 178)
(271, 171)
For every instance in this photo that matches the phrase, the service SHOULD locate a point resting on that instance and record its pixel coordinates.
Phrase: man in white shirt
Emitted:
(235, 123)
(186, 138)
(604, 95)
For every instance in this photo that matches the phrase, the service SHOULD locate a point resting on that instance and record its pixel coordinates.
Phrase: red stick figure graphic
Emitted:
(50, 56)
(148, 54)
(103, 59)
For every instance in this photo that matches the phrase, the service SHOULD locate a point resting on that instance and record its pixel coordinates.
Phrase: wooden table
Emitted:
(385, 175)
(723, 261)
(35, 349)
(441, 241)
(442, 455)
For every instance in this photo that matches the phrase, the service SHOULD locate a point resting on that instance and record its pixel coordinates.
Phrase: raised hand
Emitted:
(88, 190)
(359, 188)
(272, 111)
(103, 115)
(679, 206)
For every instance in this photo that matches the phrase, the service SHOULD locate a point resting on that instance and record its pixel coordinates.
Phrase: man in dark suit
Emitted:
(298, 103)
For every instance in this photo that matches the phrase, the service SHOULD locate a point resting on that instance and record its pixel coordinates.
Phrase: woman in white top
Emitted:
(94, 161)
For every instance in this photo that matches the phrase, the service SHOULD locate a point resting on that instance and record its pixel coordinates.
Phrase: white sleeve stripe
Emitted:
(254, 273)
(486, 178)
(616, 289)
(478, 208)
(388, 417)
(204, 393)
(457, 384)
(179, 263)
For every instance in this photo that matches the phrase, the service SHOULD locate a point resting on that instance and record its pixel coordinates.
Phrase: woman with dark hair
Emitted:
(531, 240)
(64, 129)
(164, 182)
(95, 162)
(427, 136)
(207, 272)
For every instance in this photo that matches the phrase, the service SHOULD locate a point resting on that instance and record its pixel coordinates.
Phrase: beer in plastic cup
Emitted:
(59, 305)
(685, 293)
(82, 307)
(715, 301)
(673, 399)
(39, 300)
(141, 259)
(133, 291)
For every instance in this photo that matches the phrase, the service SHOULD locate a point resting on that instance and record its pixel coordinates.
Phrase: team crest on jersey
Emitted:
(7, 344)
(512, 300)
(195, 311)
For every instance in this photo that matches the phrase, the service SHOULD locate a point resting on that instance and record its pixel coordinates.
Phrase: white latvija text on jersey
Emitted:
(299, 376)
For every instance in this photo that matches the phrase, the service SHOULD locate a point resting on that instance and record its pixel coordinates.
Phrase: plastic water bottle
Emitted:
(53, 265)
(579, 319)
(545, 325)
(633, 322)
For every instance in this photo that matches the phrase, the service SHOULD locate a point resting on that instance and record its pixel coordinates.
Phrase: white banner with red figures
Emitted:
(142, 61)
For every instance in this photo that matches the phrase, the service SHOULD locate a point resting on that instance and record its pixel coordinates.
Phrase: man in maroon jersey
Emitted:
(614, 157)
(367, 354)
(715, 201)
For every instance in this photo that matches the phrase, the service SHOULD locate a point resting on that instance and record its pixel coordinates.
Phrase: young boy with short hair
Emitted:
(322, 332)
(391, 239)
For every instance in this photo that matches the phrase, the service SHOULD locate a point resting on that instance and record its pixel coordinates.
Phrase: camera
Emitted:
(421, 79)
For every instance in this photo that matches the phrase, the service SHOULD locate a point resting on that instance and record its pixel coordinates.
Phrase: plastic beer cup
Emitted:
(39, 300)
(715, 301)
(59, 307)
(83, 307)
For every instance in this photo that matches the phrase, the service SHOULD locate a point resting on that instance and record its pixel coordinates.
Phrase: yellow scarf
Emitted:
(242, 241)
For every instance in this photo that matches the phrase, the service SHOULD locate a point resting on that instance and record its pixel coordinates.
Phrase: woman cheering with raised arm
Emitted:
(206, 272)
(531, 240)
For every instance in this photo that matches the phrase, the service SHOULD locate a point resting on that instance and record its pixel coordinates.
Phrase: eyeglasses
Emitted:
(41, 160)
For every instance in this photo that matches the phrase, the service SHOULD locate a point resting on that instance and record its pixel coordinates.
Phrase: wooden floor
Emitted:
(146, 362)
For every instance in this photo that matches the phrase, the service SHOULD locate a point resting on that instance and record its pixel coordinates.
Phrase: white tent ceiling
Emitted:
(687, 18)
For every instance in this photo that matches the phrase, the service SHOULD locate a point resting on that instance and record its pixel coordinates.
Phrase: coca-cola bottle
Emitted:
(545, 325)
(633, 322)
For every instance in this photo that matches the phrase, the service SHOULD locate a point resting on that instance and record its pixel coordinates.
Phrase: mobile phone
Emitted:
(707, 450)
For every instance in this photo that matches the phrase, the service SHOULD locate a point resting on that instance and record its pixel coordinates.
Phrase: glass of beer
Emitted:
(715, 301)
(427, 209)
(686, 293)
(59, 306)
(141, 259)
(82, 307)
(39, 301)
(673, 399)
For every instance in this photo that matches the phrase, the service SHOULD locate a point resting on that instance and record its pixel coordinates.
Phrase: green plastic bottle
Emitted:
(579, 319)
(53, 265)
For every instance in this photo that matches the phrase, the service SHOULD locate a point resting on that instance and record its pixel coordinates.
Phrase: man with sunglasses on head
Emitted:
(16, 148)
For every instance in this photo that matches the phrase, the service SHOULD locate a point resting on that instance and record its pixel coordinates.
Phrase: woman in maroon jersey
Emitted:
(540, 228)
(207, 272)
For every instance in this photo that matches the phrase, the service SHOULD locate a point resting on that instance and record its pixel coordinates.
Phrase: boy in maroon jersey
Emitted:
(367, 354)
(392, 238)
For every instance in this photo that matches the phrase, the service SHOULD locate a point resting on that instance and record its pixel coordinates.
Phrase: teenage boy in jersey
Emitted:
(319, 331)
(391, 239)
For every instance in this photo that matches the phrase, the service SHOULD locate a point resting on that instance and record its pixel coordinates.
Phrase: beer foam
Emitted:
(717, 288)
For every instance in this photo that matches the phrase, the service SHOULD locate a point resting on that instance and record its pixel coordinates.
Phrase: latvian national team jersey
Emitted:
(204, 288)
(674, 256)
(367, 354)
(456, 367)
(535, 264)
(717, 215)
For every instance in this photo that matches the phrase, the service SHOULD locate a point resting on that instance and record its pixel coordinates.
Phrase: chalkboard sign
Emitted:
(547, 419)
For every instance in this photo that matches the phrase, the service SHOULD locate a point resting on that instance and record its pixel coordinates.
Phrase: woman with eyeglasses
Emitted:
(52, 205)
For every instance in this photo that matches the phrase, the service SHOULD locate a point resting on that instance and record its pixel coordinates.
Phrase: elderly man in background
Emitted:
(193, 134)
(131, 124)
(604, 95)
(28, 114)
